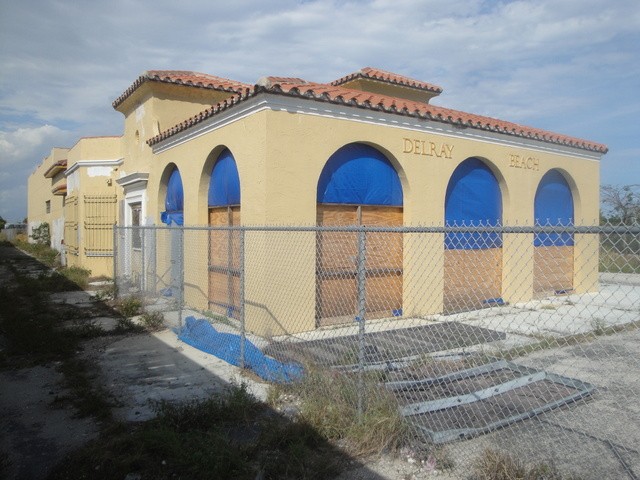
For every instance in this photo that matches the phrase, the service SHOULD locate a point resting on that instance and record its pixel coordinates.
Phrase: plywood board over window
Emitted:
(224, 261)
(358, 186)
(337, 256)
(224, 244)
(472, 260)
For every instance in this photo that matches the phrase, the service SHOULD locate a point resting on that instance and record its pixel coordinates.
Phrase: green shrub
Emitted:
(41, 234)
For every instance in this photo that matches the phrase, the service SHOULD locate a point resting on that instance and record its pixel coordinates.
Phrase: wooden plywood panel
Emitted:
(383, 295)
(336, 300)
(471, 277)
(224, 262)
(552, 269)
(337, 256)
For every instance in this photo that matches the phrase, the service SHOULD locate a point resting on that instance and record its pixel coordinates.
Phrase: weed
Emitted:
(598, 326)
(129, 306)
(152, 321)
(78, 276)
(493, 465)
(109, 292)
(377, 427)
(217, 318)
(125, 324)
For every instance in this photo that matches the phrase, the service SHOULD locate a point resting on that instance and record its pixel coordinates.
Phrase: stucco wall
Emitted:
(280, 155)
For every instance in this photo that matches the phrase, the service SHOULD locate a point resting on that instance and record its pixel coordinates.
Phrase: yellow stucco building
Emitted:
(366, 149)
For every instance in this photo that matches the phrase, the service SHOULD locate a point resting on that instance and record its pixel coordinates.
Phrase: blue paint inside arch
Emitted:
(553, 206)
(473, 199)
(224, 187)
(174, 200)
(358, 174)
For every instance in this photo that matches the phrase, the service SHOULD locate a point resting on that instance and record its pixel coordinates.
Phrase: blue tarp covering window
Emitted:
(360, 175)
(473, 199)
(224, 187)
(553, 207)
(174, 201)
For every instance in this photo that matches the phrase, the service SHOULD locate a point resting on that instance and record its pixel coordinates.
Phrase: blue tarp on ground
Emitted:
(174, 200)
(553, 207)
(473, 199)
(358, 174)
(224, 187)
(200, 334)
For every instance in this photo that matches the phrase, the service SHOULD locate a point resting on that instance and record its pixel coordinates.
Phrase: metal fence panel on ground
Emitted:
(522, 339)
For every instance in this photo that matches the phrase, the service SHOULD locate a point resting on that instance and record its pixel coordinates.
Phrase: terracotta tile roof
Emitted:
(358, 99)
(181, 77)
(57, 167)
(388, 77)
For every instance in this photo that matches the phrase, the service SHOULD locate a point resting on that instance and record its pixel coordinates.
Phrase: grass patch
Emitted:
(328, 401)
(47, 255)
(78, 276)
(493, 465)
(231, 436)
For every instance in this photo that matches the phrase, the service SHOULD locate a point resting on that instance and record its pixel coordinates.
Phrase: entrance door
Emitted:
(224, 261)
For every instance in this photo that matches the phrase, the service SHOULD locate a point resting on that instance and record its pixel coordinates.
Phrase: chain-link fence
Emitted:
(522, 339)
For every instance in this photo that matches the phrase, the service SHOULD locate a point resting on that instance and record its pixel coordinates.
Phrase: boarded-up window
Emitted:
(224, 245)
(358, 186)
(472, 260)
(553, 255)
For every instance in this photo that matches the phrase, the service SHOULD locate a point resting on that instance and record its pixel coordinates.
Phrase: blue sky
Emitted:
(569, 66)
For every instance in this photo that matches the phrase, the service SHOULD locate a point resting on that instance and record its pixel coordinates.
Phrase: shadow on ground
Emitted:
(144, 377)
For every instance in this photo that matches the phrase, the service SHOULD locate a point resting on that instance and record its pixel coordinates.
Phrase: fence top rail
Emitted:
(536, 229)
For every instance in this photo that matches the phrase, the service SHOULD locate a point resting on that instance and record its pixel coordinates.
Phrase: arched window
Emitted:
(472, 260)
(224, 244)
(174, 200)
(553, 254)
(358, 186)
(358, 174)
(224, 187)
(553, 207)
(473, 199)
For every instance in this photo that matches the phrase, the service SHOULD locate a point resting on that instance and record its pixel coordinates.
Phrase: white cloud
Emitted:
(21, 151)
(553, 64)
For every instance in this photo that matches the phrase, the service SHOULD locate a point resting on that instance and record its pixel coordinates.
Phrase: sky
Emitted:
(569, 66)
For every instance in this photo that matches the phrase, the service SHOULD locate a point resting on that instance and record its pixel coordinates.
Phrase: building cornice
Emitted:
(303, 106)
(93, 163)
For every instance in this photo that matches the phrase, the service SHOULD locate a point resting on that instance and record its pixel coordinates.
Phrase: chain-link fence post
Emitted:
(241, 300)
(115, 261)
(181, 257)
(361, 276)
(140, 232)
